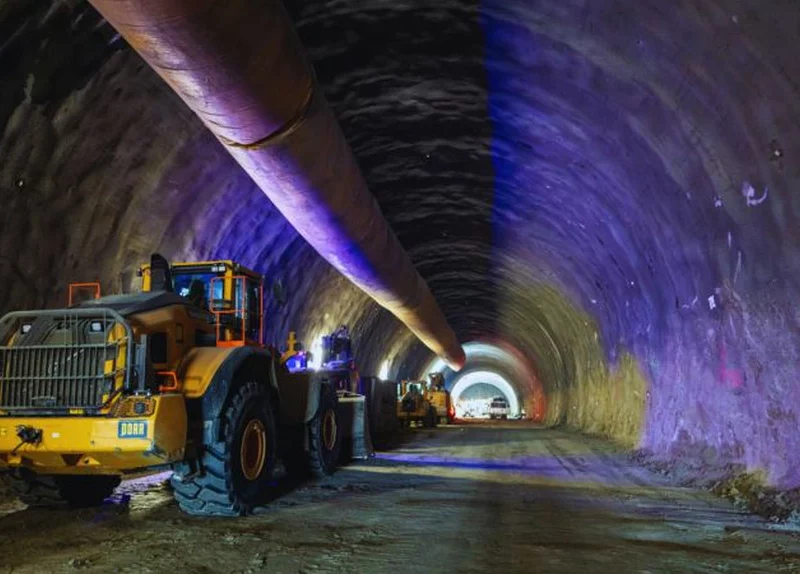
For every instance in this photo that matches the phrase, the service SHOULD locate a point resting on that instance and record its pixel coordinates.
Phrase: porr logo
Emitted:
(132, 429)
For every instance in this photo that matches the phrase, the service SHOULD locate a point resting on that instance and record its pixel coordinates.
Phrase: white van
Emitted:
(498, 408)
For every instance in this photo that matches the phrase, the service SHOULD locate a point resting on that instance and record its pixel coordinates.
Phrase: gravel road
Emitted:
(501, 497)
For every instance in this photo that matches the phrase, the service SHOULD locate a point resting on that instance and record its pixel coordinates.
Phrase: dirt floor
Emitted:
(502, 497)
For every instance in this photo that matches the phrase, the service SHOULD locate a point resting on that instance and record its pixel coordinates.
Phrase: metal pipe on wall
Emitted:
(239, 65)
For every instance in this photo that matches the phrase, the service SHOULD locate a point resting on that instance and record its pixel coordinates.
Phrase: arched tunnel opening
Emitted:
(600, 198)
(474, 394)
(498, 366)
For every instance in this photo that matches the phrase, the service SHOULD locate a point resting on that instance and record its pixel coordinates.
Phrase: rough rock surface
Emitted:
(608, 188)
(497, 497)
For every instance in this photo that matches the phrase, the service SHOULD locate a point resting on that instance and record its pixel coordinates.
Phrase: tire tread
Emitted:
(210, 492)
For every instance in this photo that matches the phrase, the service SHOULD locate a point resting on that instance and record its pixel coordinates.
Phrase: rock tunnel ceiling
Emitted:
(606, 188)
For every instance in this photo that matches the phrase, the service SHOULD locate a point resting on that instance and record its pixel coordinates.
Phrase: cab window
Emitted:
(196, 288)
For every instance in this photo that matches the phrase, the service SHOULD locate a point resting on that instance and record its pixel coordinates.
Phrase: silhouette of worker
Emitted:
(197, 294)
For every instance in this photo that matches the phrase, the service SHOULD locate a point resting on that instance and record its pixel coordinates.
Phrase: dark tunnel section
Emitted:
(432, 171)
(600, 194)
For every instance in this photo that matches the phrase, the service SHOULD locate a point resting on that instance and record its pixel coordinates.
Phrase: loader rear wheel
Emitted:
(234, 474)
(44, 490)
(324, 437)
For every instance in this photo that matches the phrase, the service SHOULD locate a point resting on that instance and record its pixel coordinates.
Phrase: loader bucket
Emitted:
(357, 443)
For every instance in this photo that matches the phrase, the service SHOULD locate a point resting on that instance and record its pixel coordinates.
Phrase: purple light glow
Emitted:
(570, 469)
(654, 294)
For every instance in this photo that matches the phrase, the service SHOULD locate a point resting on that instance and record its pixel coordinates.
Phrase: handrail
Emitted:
(237, 310)
(173, 376)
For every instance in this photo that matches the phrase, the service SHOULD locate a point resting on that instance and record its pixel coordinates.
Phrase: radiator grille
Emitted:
(64, 361)
(45, 377)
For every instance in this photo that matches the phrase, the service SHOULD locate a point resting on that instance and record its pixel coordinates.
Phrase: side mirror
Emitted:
(279, 292)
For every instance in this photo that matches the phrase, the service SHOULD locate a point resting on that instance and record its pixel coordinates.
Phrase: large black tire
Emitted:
(324, 437)
(45, 490)
(233, 475)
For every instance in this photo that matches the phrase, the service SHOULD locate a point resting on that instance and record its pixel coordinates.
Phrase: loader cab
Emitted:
(233, 294)
(436, 381)
(413, 387)
(337, 350)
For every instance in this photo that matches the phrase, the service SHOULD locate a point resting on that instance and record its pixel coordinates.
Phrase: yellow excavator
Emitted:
(176, 375)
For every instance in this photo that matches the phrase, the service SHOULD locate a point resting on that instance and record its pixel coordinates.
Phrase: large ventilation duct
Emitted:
(240, 66)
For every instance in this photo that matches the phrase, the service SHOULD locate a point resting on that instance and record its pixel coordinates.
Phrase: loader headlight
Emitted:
(25, 328)
(135, 407)
(96, 327)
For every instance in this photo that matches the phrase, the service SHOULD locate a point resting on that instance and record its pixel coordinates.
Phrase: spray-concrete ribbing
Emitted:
(240, 67)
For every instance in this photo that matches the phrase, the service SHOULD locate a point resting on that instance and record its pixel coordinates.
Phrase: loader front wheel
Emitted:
(324, 437)
(233, 475)
(44, 490)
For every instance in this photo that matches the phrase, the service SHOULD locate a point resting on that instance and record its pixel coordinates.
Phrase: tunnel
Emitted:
(602, 197)
(497, 370)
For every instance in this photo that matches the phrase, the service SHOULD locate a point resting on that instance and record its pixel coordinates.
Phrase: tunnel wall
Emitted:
(607, 187)
(102, 165)
(641, 171)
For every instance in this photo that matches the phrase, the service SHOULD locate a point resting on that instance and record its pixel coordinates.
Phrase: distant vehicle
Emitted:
(498, 409)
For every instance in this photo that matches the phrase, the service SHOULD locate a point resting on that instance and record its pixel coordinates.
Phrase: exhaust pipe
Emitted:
(239, 65)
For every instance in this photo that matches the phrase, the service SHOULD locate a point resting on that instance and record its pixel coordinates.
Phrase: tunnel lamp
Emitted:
(315, 362)
(384, 372)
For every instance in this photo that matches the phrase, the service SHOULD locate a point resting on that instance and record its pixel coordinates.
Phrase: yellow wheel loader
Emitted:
(177, 376)
(337, 367)
(414, 405)
(439, 398)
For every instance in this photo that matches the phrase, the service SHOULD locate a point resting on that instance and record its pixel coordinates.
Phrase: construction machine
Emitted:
(337, 367)
(439, 398)
(177, 375)
(414, 405)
